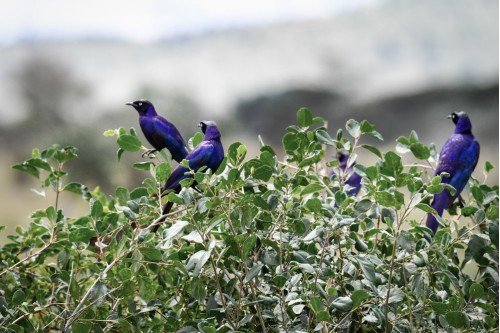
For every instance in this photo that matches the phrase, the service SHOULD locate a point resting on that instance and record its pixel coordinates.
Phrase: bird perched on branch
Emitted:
(458, 158)
(159, 132)
(350, 177)
(209, 153)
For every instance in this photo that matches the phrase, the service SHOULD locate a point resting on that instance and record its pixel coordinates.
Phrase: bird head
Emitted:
(461, 121)
(142, 106)
(342, 157)
(210, 129)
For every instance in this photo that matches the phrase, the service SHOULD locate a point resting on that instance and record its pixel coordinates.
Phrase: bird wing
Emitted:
(176, 176)
(167, 135)
(468, 160)
(459, 157)
(199, 157)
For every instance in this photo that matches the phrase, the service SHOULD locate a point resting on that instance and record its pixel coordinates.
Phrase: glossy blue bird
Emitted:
(350, 177)
(209, 153)
(159, 132)
(458, 158)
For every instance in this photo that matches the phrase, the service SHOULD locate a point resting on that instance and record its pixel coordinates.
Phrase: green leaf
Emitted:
(197, 260)
(476, 290)
(143, 166)
(174, 230)
(372, 149)
(311, 188)
(391, 165)
(198, 289)
(139, 192)
(323, 315)
(151, 253)
(477, 194)
(264, 173)
(367, 268)
(248, 246)
(476, 248)
(385, 199)
(457, 319)
(96, 210)
(343, 303)
(405, 240)
(316, 304)
(440, 307)
(492, 212)
(371, 172)
(358, 296)
(129, 142)
(98, 293)
(267, 158)
(31, 170)
(272, 201)
(110, 132)
(65, 154)
(426, 208)
(197, 139)
(165, 156)
(81, 327)
(368, 128)
(78, 189)
(81, 235)
(51, 214)
(323, 137)
(291, 142)
(19, 297)
(488, 166)
(304, 117)
(235, 154)
(493, 233)
(163, 171)
(420, 151)
(313, 205)
(119, 153)
(353, 128)
(253, 272)
(35, 153)
(396, 295)
(360, 245)
(40, 164)
(172, 197)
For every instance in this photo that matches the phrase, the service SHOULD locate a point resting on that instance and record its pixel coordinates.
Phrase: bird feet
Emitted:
(461, 202)
(149, 153)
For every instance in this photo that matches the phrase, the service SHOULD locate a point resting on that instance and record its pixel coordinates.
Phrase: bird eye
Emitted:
(140, 103)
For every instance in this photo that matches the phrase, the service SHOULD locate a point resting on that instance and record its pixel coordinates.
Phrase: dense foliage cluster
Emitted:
(266, 246)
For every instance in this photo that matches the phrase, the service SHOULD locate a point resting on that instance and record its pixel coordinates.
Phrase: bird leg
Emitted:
(149, 152)
(461, 202)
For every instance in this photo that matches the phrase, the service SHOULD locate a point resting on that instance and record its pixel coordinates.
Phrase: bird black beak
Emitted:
(130, 103)
(449, 116)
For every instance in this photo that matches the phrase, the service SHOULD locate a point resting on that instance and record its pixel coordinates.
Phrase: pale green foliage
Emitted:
(267, 246)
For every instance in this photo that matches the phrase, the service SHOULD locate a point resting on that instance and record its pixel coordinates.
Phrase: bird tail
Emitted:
(166, 209)
(439, 203)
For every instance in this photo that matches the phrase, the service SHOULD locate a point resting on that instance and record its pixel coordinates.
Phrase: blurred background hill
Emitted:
(401, 65)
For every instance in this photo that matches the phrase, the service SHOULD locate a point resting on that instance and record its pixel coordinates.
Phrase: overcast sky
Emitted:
(148, 20)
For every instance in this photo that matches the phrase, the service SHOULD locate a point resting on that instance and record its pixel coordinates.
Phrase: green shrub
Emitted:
(267, 246)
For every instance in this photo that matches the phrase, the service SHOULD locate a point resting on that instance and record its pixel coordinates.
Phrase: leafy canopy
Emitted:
(267, 246)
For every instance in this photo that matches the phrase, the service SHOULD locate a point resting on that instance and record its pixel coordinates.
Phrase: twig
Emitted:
(49, 243)
(161, 218)
(257, 307)
(76, 312)
(219, 287)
